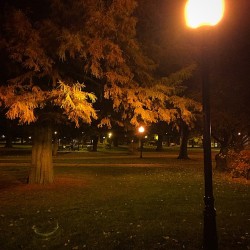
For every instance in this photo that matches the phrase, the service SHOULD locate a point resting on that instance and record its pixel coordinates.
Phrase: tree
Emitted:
(230, 80)
(51, 48)
(169, 41)
(39, 89)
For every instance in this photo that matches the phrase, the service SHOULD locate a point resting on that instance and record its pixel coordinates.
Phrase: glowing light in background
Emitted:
(141, 129)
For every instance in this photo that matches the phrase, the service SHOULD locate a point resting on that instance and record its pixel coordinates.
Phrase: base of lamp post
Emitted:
(210, 241)
(141, 148)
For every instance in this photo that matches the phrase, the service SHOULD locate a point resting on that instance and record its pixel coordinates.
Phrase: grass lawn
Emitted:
(112, 200)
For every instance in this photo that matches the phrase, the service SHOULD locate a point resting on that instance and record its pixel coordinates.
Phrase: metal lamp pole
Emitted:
(197, 15)
(141, 130)
(141, 147)
(210, 241)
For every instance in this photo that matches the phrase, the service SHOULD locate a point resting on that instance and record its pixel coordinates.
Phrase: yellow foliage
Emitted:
(105, 122)
(74, 102)
(90, 40)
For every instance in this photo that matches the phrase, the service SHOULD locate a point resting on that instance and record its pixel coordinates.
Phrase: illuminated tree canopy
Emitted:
(60, 57)
(70, 43)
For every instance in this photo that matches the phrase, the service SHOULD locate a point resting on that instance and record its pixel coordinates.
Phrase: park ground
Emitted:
(115, 200)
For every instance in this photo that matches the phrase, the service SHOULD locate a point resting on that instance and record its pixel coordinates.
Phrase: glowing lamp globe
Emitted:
(203, 12)
(141, 129)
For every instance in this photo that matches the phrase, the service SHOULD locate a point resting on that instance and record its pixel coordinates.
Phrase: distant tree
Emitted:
(230, 110)
(230, 122)
(7, 130)
(192, 91)
(183, 154)
(163, 32)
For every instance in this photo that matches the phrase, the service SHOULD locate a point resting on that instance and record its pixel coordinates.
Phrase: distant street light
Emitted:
(206, 13)
(141, 130)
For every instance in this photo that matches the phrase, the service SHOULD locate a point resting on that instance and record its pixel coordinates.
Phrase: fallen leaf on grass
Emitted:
(166, 237)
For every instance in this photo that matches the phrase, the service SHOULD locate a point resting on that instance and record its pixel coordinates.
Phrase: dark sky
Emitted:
(229, 40)
(229, 49)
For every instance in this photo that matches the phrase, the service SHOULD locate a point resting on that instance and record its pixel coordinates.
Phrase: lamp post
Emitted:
(141, 130)
(200, 13)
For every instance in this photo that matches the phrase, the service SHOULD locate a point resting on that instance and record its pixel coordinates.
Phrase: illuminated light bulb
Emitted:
(141, 129)
(203, 12)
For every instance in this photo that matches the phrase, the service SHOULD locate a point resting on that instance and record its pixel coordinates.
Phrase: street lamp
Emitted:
(203, 12)
(200, 13)
(141, 130)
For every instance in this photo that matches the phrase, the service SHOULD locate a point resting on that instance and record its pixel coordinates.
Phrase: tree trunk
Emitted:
(183, 154)
(8, 135)
(41, 165)
(132, 147)
(95, 143)
(55, 145)
(221, 159)
(159, 147)
(8, 143)
(115, 141)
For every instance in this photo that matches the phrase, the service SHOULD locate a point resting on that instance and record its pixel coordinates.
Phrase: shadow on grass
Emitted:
(13, 177)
